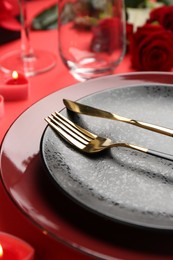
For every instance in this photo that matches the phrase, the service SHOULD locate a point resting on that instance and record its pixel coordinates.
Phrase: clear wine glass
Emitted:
(96, 35)
(27, 59)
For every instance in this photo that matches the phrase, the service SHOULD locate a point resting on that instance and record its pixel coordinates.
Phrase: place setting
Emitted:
(120, 188)
(89, 165)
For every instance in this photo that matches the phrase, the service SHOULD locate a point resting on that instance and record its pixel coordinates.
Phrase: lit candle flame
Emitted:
(1, 251)
(15, 74)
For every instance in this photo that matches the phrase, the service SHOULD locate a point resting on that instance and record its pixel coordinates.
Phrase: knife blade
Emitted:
(92, 111)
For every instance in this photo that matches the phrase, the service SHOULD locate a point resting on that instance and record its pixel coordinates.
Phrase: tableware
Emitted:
(88, 142)
(92, 111)
(26, 182)
(27, 59)
(91, 36)
(126, 180)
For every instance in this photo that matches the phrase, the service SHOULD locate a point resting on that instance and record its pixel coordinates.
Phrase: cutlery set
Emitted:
(88, 142)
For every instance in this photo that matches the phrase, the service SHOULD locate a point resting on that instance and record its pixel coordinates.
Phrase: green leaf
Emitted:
(134, 3)
(47, 19)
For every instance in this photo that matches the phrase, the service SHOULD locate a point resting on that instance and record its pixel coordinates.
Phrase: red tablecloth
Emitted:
(11, 219)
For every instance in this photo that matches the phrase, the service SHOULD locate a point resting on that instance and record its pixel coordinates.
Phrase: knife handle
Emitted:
(151, 127)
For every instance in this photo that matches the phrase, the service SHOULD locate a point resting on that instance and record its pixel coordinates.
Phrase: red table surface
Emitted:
(11, 219)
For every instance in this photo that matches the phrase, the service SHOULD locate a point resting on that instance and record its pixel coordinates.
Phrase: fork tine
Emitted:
(64, 134)
(70, 132)
(75, 128)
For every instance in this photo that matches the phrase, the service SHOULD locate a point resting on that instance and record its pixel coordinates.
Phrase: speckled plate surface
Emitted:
(120, 184)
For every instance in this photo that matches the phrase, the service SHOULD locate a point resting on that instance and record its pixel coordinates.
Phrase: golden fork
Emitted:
(89, 142)
(92, 111)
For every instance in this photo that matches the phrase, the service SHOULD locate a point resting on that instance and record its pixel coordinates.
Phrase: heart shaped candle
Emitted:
(15, 87)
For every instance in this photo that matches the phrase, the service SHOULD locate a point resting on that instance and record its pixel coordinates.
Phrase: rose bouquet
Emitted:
(151, 45)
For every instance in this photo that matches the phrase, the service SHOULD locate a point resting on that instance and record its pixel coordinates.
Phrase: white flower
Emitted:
(99, 4)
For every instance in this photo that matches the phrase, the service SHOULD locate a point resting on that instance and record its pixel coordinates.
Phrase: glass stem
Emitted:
(26, 49)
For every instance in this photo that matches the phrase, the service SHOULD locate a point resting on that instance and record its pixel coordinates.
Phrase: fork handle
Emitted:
(145, 150)
(160, 154)
(152, 152)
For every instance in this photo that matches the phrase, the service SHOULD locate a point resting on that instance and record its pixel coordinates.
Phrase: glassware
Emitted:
(91, 36)
(27, 59)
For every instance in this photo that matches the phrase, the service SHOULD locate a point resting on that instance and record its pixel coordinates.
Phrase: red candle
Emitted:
(17, 79)
(1, 106)
(15, 87)
(13, 248)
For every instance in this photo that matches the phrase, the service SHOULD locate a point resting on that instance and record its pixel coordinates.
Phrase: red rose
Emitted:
(151, 49)
(106, 35)
(164, 16)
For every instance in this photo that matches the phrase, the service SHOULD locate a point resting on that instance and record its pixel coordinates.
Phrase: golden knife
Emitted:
(92, 111)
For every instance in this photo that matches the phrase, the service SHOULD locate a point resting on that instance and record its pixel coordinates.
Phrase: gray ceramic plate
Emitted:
(120, 184)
